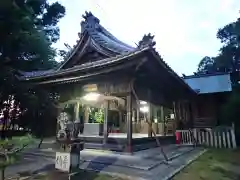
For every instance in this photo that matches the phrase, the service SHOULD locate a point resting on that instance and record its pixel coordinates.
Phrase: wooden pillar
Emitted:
(129, 123)
(149, 119)
(191, 113)
(120, 121)
(179, 110)
(149, 114)
(105, 125)
(162, 114)
(133, 115)
(138, 115)
(176, 118)
(77, 106)
(163, 120)
(189, 118)
(86, 114)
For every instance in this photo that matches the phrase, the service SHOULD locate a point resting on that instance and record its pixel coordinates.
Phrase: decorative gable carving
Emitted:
(147, 41)
(90, 22)
(90, 56)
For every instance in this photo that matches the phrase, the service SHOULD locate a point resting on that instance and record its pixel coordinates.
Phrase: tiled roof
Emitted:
(101, 36)
(105, 40)
(84, 66)
(204, 84)
(36, 73)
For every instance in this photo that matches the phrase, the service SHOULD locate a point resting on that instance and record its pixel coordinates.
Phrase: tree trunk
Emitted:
(2, 173)
(40, 143)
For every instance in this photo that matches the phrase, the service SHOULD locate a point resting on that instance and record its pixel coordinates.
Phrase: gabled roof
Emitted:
(210, 83)
(96, 36)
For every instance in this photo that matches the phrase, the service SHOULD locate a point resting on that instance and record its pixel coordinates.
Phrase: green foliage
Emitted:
(230, 110)
(10, 149)
(99, 116)
(229, 54)
(27, 33)
(230, 113)
(40, 112)
(206, 64)
(28, 29)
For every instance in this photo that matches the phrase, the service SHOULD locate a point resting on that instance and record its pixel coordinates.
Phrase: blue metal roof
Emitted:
(210, 83)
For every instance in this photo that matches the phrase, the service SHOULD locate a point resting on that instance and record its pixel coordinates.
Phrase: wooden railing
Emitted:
(219, 137)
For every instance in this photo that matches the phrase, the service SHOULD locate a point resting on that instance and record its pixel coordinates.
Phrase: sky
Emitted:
(185, 30)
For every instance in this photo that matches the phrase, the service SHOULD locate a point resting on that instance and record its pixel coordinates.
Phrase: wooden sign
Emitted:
(90, 88)
(65, 160)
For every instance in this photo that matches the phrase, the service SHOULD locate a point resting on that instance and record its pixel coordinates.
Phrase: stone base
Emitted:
(93, 129)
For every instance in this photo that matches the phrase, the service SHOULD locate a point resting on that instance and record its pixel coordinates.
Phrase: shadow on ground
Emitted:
(26, 159)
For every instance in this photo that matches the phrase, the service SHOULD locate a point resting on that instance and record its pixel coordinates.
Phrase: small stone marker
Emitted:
(64, 161)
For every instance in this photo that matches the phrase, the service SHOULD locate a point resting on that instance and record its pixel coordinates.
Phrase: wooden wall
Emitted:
(207, 109)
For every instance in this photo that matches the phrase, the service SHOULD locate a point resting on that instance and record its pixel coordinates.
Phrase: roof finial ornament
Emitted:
(90, 21)
(89, 17)
(147, 41)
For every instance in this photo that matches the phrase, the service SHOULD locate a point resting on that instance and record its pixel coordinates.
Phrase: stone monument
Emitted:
(68, 157)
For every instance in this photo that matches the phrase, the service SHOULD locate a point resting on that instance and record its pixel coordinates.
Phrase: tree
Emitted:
(10, 151)
(41, 112)
(65, 53)
(228, 59)
(230, 112)
(28, 29)
(206, 64)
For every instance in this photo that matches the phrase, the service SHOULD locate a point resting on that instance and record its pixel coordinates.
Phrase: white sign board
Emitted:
(62, 161)
(65, 160)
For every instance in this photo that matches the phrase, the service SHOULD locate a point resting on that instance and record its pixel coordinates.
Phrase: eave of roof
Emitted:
(198, 75)
(90, 65)
(171, 71)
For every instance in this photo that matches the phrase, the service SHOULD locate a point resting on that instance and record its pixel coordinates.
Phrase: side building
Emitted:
(213, 91)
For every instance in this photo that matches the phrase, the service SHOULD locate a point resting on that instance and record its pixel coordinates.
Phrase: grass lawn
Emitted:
(213, 165)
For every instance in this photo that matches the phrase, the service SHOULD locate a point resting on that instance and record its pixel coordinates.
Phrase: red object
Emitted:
(178, 137)
(117, 131)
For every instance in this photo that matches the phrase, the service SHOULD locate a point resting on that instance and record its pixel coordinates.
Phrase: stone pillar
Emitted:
(105, 125)
(129, 123)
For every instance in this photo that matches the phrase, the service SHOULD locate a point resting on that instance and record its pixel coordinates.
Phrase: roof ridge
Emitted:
(196, 75)
(92, 25)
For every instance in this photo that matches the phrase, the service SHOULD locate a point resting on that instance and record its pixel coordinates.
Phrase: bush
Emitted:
(10, 150)
(231, 113)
